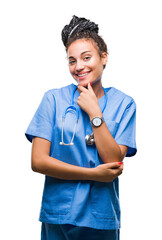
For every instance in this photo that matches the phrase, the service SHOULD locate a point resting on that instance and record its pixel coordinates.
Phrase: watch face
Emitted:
(97, 121)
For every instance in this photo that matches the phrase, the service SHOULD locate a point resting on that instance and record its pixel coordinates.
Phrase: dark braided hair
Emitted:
(82, 28)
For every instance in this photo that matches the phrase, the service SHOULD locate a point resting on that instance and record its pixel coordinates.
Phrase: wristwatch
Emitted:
(97, 121)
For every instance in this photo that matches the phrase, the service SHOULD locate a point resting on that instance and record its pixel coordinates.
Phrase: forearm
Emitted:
(106, 145)
(58, 169)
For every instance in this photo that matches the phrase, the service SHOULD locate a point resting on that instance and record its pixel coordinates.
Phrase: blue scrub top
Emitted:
(82, 203)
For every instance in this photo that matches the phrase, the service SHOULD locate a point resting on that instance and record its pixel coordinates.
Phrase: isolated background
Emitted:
(33, 60)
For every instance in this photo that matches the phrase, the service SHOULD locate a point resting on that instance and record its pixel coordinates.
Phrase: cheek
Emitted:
(71, 69)
(96, 65)
(99, 69)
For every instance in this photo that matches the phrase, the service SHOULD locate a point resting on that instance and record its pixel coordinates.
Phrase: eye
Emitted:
(87, 58)
(71, 62)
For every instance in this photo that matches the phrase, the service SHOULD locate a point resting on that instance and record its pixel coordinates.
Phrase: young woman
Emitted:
(80, 134)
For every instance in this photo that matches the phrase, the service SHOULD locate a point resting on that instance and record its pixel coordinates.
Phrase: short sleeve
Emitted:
(126, 133)
(42, 123)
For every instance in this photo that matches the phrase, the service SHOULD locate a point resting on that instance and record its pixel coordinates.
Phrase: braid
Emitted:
(77, 25)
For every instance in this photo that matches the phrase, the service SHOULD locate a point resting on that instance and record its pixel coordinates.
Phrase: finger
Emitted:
(114, 165)
(82, 89)
(118, 172)
(90, 87)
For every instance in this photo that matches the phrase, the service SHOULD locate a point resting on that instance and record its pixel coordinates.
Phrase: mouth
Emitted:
(81, 75)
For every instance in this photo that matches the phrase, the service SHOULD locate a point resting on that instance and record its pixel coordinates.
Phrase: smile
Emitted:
(83, 74)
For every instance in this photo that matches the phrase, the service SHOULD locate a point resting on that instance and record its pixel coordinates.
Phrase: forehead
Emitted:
(80, 46)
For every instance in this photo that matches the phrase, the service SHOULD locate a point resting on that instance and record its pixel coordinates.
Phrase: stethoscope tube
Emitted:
(70, 107)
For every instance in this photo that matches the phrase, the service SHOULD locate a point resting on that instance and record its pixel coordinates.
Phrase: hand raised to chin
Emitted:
(87, 101)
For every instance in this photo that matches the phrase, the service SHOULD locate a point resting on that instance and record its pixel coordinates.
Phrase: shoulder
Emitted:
(64, 89)
(116, 96)
(62, 92)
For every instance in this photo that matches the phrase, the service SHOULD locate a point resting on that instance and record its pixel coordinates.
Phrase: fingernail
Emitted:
(90, 83)
(120, 163)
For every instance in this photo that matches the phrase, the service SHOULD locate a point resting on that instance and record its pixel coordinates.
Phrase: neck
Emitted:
(98, 89)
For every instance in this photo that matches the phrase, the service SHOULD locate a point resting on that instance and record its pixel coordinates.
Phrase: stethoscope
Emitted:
(89, 138)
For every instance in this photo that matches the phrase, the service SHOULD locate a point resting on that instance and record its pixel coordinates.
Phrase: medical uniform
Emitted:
(86, 204)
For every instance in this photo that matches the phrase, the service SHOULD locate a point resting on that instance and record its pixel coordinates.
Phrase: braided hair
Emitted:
(82, 28)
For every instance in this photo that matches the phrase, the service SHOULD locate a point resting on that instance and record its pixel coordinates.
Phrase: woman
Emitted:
(80, 135)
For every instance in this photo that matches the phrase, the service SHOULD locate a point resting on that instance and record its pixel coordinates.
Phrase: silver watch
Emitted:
(97, 121)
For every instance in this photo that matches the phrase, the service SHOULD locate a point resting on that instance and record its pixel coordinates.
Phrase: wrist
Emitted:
(92, 176)
(96, 113)
(87, 174)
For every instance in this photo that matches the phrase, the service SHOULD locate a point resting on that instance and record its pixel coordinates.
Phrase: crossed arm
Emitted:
(43, 163)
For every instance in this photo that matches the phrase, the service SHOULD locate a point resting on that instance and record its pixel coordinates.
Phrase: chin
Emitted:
(83, 84)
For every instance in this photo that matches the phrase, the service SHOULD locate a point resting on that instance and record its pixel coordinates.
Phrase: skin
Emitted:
(43, 163)
(86, 67)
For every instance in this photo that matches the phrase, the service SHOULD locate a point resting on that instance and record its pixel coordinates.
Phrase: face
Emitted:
(85, 63)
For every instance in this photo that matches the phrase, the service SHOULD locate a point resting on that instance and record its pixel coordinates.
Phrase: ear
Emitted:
(104, 58)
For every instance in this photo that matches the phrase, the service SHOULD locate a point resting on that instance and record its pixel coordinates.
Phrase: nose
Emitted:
(79, 66)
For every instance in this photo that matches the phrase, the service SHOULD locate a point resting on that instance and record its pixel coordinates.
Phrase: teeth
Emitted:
(81, 75)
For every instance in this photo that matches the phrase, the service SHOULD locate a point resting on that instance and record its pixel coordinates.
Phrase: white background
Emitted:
(33, 60)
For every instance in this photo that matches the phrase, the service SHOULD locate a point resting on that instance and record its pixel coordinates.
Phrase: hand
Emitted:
(88, 101)
(107, 172)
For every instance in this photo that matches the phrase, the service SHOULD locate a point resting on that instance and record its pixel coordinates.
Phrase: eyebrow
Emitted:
(81, 54)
